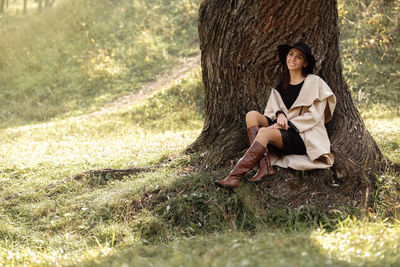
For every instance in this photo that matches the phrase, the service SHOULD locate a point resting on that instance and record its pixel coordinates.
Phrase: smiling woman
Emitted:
(296, 60)
(292, 127)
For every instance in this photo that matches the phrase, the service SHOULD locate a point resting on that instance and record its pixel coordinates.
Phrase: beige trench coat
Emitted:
(312, 109)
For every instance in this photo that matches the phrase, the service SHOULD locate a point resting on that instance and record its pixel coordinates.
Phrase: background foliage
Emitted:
(370, 49)
(82, 54)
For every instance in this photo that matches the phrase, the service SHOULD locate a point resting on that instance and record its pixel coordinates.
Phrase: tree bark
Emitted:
(240, 66)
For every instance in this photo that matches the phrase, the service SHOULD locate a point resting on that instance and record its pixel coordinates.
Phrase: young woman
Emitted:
(293, 124)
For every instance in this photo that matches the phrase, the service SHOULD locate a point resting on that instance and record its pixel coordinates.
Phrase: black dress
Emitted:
(292, 142)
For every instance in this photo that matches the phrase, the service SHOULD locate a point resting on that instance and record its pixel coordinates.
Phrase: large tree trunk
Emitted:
(238, 41)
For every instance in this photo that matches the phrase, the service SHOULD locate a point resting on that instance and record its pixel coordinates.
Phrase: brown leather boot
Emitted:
(245, 164)
(264, 169)
(252, 133)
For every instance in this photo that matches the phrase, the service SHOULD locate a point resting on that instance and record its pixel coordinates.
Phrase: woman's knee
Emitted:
(252, 114)
(253, 118)
(268, 133)
(270, 136)
(264, 131)
(263, 136)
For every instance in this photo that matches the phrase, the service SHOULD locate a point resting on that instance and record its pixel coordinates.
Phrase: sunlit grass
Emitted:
(386, 133)
(46, 216)
(384, 125)
(92, 142)
(359, 242)
(265, 248)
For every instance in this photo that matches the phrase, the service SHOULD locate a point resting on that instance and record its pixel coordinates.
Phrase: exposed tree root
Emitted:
(117, 173)
(104, 175)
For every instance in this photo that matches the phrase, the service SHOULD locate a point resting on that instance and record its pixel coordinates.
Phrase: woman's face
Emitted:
(295, 60)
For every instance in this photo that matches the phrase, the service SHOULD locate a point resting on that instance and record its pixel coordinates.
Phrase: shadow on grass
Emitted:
(192, 222)
(266, 248)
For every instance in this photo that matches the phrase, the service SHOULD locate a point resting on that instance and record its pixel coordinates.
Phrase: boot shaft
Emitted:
(249, 159)
(245, 164)
(252, 133)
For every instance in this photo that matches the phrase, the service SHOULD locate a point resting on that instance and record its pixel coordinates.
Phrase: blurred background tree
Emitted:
(25, 5)
(2, 6)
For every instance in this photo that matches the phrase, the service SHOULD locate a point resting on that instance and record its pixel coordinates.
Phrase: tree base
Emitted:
(299, 188)
(220, 146)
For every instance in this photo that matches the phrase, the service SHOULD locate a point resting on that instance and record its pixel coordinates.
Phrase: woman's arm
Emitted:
(273, 108)
(311, 117)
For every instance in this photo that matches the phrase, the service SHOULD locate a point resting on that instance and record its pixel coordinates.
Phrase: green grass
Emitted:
(383, 123)
(170, 216)
(355, 243)
(47, 212)
(267, 248)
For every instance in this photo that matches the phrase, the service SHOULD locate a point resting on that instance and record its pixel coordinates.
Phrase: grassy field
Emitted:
(172, 215)
(81, 55)
(41, 205)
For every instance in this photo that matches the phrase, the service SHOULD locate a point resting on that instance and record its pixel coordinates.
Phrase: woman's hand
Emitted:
(282, 121)
(276, 126)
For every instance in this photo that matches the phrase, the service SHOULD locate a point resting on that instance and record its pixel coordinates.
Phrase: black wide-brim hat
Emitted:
(283, 50)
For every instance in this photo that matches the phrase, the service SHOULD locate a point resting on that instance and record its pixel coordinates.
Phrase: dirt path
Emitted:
(182, 70)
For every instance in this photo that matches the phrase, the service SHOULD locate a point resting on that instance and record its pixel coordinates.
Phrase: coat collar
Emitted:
(314, 88)
(307, 94)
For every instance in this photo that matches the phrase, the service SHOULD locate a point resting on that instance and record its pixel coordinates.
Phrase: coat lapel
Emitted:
(307, 95)
(279, 100)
